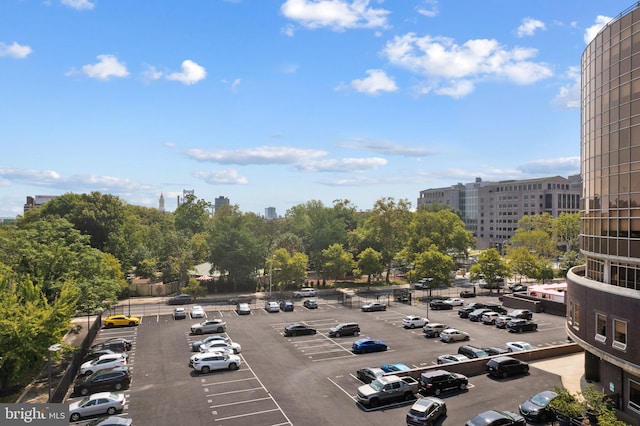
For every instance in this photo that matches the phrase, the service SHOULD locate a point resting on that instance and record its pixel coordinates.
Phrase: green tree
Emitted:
(337, 261)
(566, 228)
(441, 227)
(369, 263)
(194, 288)
(288, 269)
(436, 265)
(522, 262)
(536, 241)
(191, 215)
(490, 267)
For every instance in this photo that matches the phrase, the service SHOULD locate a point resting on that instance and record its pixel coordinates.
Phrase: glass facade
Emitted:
(610, 153)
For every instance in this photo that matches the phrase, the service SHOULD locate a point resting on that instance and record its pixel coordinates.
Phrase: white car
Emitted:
(102, 362)
(221, 346)
(97, 404)
(519, 346)
(195, 346)
(413, 321)
(214, 361)
(453, 335)
(272, 307)
(209, 326)
(197, 312)
(447, 359)
(305, 292)
(454, 301)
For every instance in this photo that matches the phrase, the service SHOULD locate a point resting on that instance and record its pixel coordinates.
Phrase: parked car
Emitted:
(434, 382)
(489, 318)
(215, 325)
(467, 309)
(117, 378)
(221, 346)
(243, 309)
(120, 321)
(116, 344)
(518, 287)
(209, 361)
(472, 352)
(447, 359)
(454, 301)
(413, 321)
(439, 305)
(476, 315)
(298, 329)
(497, 418)
(433, 329)
(501, 321)
(197, 312)
(504, 366)
(426, 411)
(394, 368)
(181, 299)
(521, 313)
(286, 306)
(518, 325)
(305, 292)
(519, 346)
(467, 293)
(272, 307)
(310, 304)
(453, 335)
(110, 421)
(179, 313)
(369, 374)
(367, 344)
(97, 404)
(536, 409)
(195, 346)
(345, 329)
(496, 307)
(494, 350)
(102, 363)
(374, 306)
(91, 355)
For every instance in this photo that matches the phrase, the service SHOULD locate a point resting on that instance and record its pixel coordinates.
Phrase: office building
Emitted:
(603, 296)
(491, 210)
(219, 202)
(37, 201)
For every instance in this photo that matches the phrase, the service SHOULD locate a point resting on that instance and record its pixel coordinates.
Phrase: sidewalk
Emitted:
(570, 368)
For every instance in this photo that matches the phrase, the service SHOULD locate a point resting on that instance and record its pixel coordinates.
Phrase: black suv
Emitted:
(518, 325)
(503, 366)
(438, 304)
(472, 352)
(496, 307)
(345, 329)
(467, 309)
(111, 379)
(436, 381)
(476, 315)
(521, 313)
(116, 344)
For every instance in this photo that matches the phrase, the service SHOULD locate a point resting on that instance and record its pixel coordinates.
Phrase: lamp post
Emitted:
(52, 348)
(270, 276)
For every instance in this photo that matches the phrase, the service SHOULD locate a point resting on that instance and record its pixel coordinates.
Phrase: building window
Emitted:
(574, 315)
(634, 395)
(619, 335)
(601, 328)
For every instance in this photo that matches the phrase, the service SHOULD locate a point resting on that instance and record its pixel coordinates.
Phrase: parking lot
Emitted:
(308, 380)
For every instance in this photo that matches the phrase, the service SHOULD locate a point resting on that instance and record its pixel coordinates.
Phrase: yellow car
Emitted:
(120, 320)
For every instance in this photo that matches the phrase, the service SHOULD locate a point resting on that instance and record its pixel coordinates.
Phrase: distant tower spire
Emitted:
(161, 203)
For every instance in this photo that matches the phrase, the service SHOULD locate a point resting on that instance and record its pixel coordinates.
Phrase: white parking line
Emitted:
(219, 419)
(239, 402)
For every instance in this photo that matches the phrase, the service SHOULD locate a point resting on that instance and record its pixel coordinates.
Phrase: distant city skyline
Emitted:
(276, 103)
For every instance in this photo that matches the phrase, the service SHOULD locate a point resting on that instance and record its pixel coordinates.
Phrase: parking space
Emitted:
(309, 379)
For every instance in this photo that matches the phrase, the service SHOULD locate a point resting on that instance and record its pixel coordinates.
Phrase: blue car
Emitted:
(367, 344)
(286, 306)
(392, 368)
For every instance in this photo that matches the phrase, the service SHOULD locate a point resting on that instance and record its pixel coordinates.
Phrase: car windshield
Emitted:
(376, 385)
(540, 399)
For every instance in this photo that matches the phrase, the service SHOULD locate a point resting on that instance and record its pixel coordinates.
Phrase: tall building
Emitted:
(219, 202)
(603, 296)
(270, 213)
(37, 202)
(491, 210)
(161, 202)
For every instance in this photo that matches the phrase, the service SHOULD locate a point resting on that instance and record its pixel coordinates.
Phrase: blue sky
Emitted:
(273, 103)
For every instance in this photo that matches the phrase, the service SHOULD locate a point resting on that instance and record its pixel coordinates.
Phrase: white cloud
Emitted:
(222, 177)
(108, 66)
(14, 50)
(386, 148)
(529, 27)
(338, 15)
(430, 8)
(569, 95)
(377, 81)
(442, 62)
(78, 4)
(191, 73)
(258, 155)
(552, 166)
(151, 74)
(344, 165)
(591, 32)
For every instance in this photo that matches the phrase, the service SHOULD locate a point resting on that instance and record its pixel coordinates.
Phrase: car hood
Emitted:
(366, 390)
(529, 407)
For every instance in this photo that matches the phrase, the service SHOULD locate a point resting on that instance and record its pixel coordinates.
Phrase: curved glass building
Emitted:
(603, 297)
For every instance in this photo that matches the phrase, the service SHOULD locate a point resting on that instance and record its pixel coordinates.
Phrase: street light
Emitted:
(52, 348)
(270, 275)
